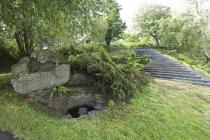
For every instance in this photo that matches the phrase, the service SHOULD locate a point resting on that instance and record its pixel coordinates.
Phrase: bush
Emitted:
(59, 90)
(8, 51)
(122, 79)
(111, 103)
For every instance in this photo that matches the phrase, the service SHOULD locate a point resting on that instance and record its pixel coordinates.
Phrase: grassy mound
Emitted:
(118, 74)
(166, 110)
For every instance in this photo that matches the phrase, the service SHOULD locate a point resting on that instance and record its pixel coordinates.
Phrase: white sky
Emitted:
(131, 7)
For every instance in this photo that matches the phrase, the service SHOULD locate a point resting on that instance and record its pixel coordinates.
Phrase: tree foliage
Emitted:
(179, 34)
(115, 25)
(37, 23)
(185, 33)
(201, 17)
(119, 75)
(147, 21)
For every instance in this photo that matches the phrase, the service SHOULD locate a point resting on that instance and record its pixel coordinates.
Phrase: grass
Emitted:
(166, 110)
(4, 79)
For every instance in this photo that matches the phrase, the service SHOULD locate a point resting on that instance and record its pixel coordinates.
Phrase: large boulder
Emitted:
(22, 67)
(39, 73)
(27, 83)
(44, 55)
(79, 79)
(43, 60)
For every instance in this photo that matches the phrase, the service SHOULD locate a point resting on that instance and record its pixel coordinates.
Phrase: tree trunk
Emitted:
(157, 42)
(20, 44)
(108, 39)
(108, 42)
(26, 41)
(205, 49)
(206, 55)
(207, 59)
(155, 37)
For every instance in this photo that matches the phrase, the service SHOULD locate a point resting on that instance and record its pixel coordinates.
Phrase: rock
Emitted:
(99, 106)
(21, 67)
(83, 116)
(77, 97)
(40, 74)
(68, 116)
(83, 111)
(78, 79)
(43, 60)
(41, 67)
(44, 55)
(92, 113)
(28, 83)
(24, 60)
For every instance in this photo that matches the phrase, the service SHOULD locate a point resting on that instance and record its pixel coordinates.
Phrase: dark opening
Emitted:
(77, 111)
(7, 136)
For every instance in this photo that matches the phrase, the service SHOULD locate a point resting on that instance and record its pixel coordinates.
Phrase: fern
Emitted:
(60, 90)
(119, 75)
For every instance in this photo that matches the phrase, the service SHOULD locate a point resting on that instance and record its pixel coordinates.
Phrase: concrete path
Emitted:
(166, 68)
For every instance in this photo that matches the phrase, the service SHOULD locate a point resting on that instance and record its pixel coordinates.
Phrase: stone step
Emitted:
(182, 78)
(168, 69)
(184, 72)
(166, 65)
(177, 74)
(164, 60)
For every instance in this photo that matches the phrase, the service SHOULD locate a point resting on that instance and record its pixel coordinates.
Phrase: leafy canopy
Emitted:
(147, 21)
(35, 23)
(115, 25)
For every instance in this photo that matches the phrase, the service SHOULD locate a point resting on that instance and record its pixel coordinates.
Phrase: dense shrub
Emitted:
(119, 75)
(8, 49)
(180, 34)
(8, 55)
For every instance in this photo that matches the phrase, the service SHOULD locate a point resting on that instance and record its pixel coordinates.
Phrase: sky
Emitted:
(131, 7)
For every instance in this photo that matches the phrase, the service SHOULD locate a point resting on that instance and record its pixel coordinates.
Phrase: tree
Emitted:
(180, 34)
(147, 21)
(97, 34)
(115, 25)
(201, 17)
(33, 23)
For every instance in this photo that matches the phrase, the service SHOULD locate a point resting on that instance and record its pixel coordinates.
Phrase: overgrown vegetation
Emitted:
(120, 75)
(148, 21)
(164, 110)
(31, 25)
(115, 25)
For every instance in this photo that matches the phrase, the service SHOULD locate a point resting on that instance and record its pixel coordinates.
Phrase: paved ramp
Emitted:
(166, 68)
